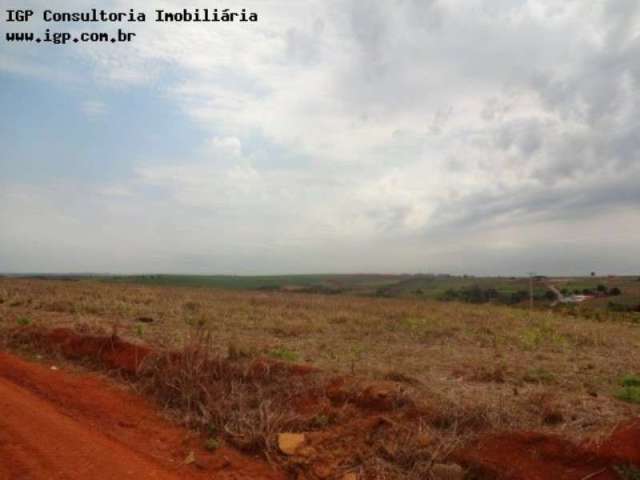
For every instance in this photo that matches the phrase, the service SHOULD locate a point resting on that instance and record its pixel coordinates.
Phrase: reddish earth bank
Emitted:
(534, 456)
(56, 425)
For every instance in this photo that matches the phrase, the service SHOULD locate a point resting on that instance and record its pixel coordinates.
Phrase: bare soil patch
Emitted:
(60, 425)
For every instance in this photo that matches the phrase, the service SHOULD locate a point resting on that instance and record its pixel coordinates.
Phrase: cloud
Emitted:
(437, 127)
(94, 108)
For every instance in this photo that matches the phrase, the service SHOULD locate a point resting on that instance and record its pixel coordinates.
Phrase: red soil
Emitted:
(115, 353)
(623, 446)
(531, 456)
(67, 426)
(534, 456)
(110, 351)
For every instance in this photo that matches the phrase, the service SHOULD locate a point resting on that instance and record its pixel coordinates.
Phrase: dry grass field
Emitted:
(514, 369)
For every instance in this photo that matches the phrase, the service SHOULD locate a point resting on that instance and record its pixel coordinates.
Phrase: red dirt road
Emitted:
(62, 426)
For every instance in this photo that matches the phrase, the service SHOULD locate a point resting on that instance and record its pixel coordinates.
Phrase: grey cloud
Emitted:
(487, 210)
(438, 124)
(525, 135)
(304, 47)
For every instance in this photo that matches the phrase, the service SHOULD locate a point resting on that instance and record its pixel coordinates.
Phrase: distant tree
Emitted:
(450, 294)
(618, 307)
(492, 293)
(475, 294)
(601, 288)
(549, 295)
(519, 296)
(615, 291)
(564, 291)
(586, 291)
(593, 274)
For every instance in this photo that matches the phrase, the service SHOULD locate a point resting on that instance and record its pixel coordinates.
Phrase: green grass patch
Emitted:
(630, 391)
(282, 353)
(542, 334)
(631, 381)
(212, 444)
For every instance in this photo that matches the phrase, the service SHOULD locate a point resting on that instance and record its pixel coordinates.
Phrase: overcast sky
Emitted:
(462, 136)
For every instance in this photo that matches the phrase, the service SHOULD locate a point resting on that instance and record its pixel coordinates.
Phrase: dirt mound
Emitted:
(114, 353)
(60, 425)
(623, 445)
(110, 351)
(534, 456)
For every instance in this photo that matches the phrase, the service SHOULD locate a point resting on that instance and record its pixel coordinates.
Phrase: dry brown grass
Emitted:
(507, 367)
(247, 402)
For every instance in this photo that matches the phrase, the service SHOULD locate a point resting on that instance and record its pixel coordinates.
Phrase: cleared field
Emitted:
(507, 368)
(474, 353)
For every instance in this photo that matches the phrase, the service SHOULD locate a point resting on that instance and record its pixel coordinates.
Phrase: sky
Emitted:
(487, 137)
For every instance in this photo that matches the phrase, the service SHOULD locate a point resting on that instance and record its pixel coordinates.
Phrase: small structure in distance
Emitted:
(560, 298)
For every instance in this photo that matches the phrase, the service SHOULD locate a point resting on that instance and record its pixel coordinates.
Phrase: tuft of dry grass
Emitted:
(247, 403)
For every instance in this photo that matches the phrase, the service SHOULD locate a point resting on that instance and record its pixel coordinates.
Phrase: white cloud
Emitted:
(94, 108)
(339, 123)
(224, 147)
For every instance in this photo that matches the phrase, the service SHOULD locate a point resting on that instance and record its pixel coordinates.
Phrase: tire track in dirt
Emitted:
(63, 426)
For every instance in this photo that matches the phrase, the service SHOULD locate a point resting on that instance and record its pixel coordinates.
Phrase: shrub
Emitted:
(449, 295)
(630, 391)
(631, 381)
(619, 307)
(629, 394)
(24, 321)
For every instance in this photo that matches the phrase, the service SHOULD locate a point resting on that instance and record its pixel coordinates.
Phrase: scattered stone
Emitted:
(191, 458)
(53, 367)
(452, 471)
(290, 442)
